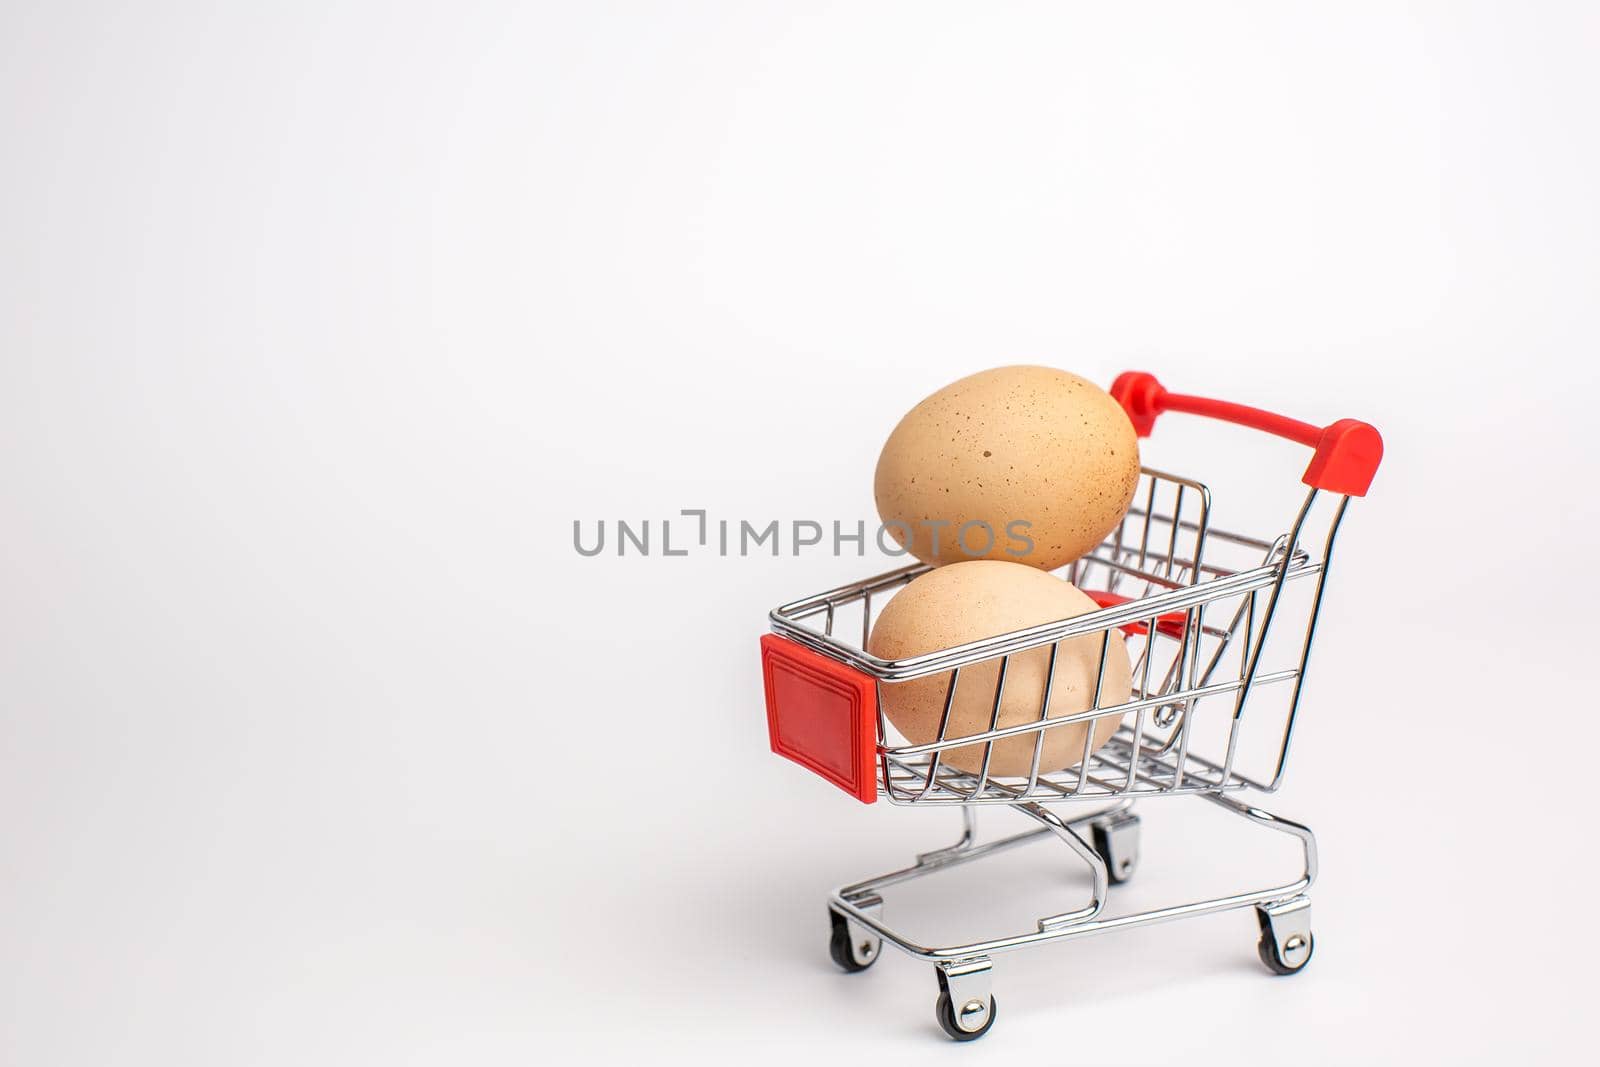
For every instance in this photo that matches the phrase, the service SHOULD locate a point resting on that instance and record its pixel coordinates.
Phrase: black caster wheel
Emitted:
(946, 1012)
(1118, 845)
(849, 950)
(1299, 950)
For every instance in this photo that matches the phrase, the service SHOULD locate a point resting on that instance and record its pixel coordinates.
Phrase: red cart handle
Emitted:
(1348, 451)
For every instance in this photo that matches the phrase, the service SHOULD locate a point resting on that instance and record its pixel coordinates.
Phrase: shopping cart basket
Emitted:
(1216, 623)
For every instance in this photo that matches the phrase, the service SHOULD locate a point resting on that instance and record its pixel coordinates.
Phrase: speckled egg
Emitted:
(969, 601)
(1024, 464)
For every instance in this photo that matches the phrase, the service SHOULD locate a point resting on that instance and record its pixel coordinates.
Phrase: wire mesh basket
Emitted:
(1196, 605)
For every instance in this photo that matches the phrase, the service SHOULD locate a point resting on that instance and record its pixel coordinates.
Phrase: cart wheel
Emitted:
(850, 949)
(1286, 943)
(972, 1012)
(1117, 841)
(1267, 949)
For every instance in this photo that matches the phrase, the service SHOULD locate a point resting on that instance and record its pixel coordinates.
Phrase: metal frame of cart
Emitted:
(1223, 625)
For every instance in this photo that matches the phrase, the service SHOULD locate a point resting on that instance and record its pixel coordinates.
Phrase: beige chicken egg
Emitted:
(977, 599)
(1025, 464)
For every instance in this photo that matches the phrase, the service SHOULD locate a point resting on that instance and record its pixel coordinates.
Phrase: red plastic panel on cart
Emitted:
(1171, 623)
(822, 714)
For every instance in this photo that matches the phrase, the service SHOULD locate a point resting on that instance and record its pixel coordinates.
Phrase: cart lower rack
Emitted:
(1217, 623)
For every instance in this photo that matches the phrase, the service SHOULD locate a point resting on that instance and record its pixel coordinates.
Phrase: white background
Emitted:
(321, 323)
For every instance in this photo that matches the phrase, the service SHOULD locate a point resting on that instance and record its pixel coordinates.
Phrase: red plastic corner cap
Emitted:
(1347, 458)
(822, 715)
(1140, 396)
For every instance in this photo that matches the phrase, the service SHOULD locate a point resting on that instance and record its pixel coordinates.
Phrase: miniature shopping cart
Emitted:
(1218, 626)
